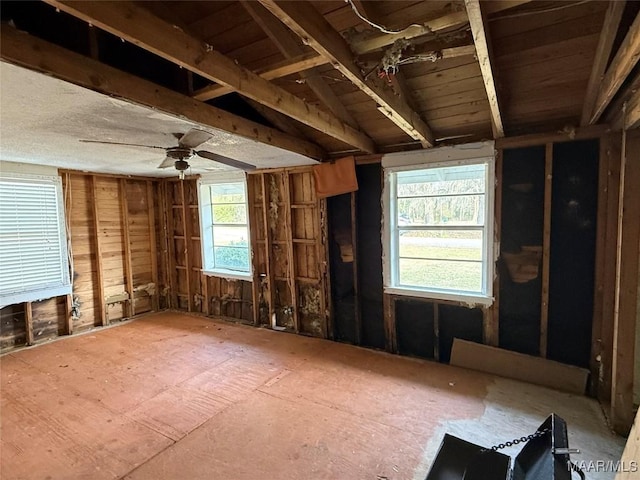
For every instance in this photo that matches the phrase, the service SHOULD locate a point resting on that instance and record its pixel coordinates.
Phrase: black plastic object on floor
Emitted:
(545, 456)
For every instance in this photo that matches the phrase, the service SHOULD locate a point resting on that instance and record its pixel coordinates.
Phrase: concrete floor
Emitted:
(173, 396)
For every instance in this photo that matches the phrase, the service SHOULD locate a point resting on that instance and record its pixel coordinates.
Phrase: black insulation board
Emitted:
(522, 225)
(369, 221)
(572, 257)
(342, 291)
(457, 322)
(414, 328)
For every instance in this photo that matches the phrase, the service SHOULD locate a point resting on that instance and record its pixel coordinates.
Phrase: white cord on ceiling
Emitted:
(375, 25)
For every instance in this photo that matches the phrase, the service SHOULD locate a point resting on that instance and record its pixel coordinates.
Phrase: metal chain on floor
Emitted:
(516, 441)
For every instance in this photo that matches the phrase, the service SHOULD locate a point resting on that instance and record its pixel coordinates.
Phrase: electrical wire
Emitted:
(375, 25)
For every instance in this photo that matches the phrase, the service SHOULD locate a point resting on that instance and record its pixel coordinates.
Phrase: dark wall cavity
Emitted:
(522, 225)
(415, 328)
(342, 275)
(369, 215)
(572, 262)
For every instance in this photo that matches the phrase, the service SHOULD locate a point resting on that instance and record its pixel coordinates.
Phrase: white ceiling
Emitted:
(42, 120)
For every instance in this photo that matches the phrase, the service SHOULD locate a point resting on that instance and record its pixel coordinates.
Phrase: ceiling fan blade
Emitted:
(168, 162)
(120, 143)
(225, 160)
(193, 138)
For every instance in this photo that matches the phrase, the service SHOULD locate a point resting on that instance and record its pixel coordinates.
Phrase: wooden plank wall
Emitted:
(290, 258)
(189, 289)
(112, 232)
(288, 290)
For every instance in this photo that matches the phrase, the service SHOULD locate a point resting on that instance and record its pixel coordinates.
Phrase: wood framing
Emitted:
(624, 326)
(389, 318)
(291, 260)
(483, 52)
(154, 248)
(611, 146)
(621, 65)
(99, 268)
(591, 131)
(28, 323)
(605, 44)
(546, 248)
(364, 45)
(491, 333)
(128, 268)
(292, 65)
(290, 47)
(315, 31)
(269, 248)
(138, 26)
(30, 52)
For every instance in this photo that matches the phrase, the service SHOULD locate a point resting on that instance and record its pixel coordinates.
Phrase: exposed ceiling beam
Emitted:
(483, 52)
(632, 111)
(603, 52)
(287, 67)
(289, 45)
(361, 44)
(315, 31)
(620, 115)
(622, 64)
(30, 52)
(280, 121)
(137, 25)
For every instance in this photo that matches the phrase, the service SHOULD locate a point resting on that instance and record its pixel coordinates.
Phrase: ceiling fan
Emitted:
(178, 156)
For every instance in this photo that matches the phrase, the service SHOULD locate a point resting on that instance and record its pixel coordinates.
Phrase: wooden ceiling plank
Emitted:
(281, 69)
(30, 52)
(603, 52)
(290, 47)
(140, 27)
(621, 65)
(314, 30)
(480, 38)
(495, 6)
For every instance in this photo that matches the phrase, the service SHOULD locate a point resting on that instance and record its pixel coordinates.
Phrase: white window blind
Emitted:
(33, 250)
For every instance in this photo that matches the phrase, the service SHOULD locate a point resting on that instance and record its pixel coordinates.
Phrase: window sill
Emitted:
(466, 299)
(230, 274)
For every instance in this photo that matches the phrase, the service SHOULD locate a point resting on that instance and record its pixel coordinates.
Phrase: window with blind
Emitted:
(33, 250)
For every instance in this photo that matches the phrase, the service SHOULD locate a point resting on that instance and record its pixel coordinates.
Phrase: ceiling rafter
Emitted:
(290, 46)
(140, 27)
(287, 67)
(315, 31)
(603, 52)
(31, 52)
(626, 58)
(621, 116)
(366, 43)
(483, 52)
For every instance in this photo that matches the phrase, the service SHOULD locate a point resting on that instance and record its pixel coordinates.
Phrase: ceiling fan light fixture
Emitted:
(181, 165)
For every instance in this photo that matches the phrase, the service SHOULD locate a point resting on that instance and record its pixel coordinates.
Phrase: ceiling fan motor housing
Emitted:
(179, 153)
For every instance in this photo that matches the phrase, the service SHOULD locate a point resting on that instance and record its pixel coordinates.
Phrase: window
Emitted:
(224, 226)
(439, 231)
(33, 245)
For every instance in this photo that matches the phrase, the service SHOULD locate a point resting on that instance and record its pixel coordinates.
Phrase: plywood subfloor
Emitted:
(173, 396)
